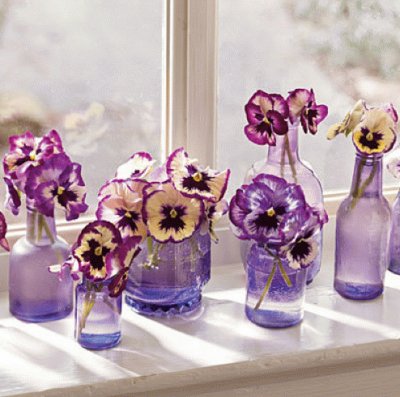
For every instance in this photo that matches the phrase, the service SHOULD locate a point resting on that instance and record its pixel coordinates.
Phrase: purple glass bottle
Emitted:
(282, 305)
(97, 316)
(394, 247)
(35, 294)
(283, 160)
(167, 279)
(362, 233)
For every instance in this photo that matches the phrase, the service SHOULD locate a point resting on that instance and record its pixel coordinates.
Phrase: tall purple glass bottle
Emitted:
(36, 295)
(362, 233)
(394, 247)
(174, 283)
(283, 160)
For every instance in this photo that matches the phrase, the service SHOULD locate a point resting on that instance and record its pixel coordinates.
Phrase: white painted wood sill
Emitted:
(342, 348)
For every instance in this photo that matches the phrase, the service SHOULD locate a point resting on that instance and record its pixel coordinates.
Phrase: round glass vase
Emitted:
(35, 294)
(97, 316)
(274, 298)
(362, 233)
(394, 246)
(283, 160)
(167, 279)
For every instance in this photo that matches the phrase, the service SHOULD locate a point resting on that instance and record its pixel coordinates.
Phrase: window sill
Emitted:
(341, 346)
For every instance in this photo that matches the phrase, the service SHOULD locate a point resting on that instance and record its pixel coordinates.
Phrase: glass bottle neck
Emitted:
(367, 176)
(40, 229)
(286, 147)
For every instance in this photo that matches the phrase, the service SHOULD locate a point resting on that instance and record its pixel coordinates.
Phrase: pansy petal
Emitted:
(260, 134)
(280, 105)
(296, 101)
(279, 124)
(254, 113)
(139, 165)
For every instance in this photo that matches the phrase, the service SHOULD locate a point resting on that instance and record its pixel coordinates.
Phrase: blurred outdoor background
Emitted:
(92, 69)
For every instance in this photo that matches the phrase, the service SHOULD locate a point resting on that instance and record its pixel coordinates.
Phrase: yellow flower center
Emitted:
(270, 212)
(266, 121)
(32, 155)
(173, 213)
(197, 177)
(128, 214)
(370, 136)
(60, 190)
(98, 251)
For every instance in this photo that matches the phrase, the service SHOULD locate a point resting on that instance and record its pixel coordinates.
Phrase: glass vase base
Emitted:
(394, 268)
(99, 341)
(273, 318)
(164, 310)
(40, 317)
(358, 291)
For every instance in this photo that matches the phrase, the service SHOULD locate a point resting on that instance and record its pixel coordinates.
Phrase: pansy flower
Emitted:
(13, 196)
(194, 181)
(121, 262)
(123, 207)
(26, 151)
(3, 232)
(138, 166)
(97, 240)
(300, 230)
(70, 268)
(170, 216)
(375, 133)
(213, 213)
(258, 209)
(57, 182)
(302, 106)
(266, 114)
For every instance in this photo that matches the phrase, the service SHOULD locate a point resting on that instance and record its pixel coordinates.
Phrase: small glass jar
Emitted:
(167, 278)
(97, 316)
(36, 295)
(282, 305)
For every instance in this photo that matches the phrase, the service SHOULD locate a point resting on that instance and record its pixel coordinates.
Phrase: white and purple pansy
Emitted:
(57, 182)
(96, 241)
(138, 166)
(170, 216)
(302, 106)
(258, 209)
(192, 180)
(13, 196)
(123, 207)
(26, 151)
(266, 115)
(299, 231)
(121, 262)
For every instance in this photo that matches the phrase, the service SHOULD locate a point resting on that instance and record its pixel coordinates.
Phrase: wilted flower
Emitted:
(266, 114)
(3, 232)
(138, 166)
(213, 213)
(171, 216)
(57, 182)
(123, 206)
(13, 196)
(302, 106)
(192, 180)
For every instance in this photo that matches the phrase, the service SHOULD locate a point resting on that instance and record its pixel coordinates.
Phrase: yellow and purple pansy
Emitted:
(97, 241)
(266, 115)
(57, 183)
(192, 180)
(171, 216)
(302, 106)
(123, 206)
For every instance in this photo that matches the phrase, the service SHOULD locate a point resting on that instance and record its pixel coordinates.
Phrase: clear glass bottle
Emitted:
(167, 279)
(36, 295)
(394, 246)
(362, 233)
(283, 305)
(283, 160)
(97, 316)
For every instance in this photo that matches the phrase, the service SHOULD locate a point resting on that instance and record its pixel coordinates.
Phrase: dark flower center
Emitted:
(370, 139)
(172, 218)
(128, 219)
(96, 254)
(267, 220)
(196, 181)
(64, 196)
(300, 250)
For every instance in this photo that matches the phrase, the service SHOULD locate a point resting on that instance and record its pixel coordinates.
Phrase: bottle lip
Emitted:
(372, 157)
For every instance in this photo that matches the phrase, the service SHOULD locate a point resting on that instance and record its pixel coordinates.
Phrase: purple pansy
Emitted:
(266, 114)
(258, 209)
(26, 151)
(302, 106)
(3, 232)
(57, 182)
(13, 196)
(192, 180)
(70, 268)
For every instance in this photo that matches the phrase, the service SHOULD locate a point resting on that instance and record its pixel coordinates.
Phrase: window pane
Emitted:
(91, 70)
(344, 50)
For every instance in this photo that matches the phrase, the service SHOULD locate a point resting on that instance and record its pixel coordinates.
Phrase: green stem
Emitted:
(290, 157)
(266, 288)
(365, 184)
(281, 268)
